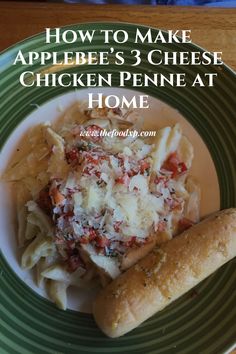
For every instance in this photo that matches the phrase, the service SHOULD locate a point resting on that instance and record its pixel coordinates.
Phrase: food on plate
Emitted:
(90, 205)
(168, 272)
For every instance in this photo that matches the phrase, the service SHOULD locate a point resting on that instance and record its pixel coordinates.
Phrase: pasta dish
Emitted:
(89, 206)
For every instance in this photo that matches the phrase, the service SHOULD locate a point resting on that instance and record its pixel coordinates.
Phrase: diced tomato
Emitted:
(185, 224)
(44, 200)
(123, 180)
(92, 160)
(119, 180)
(182, 168)
(120, 161)
(174, 165)
(104, 157)
(102, 241)
(97, 174)
(92, 234)
(56, 196)
(144, 165)
(132, 173)
(72, 156)
(94, 132)
(89, 171)
(173, 159)
(84, 240)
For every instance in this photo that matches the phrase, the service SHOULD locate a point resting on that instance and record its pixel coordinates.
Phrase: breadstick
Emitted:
(166, 273)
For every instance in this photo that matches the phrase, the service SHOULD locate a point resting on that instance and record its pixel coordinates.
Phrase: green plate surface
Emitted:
(205, 323)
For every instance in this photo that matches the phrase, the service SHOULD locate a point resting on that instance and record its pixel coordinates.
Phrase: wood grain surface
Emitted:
(212, 28)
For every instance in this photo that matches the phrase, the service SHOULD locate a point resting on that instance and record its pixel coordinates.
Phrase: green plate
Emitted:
(205, 323)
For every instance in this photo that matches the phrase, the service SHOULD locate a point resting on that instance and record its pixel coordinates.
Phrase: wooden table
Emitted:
(212, 28)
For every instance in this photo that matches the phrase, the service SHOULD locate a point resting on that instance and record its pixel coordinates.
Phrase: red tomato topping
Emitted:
(97, 174)
(123, 180)
(174, 165)
(102, 241)
(72, 156)
(182, 168)
(94, 132)
(132, 173)
(120, 161)
(89, 171)
(92, 234)
(84, 240)
(56, 196)
(92, 160)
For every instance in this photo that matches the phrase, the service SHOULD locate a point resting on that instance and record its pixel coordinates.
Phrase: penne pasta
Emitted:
(185, 151)
(22, 195)
(39, 218)
(79, 278)
(57, 166)
(109, 265)
(173, 140)
(39, 247)
(159, 152)
(41, 265)
(57, 293)
(57, 272)
(31, 230)
(192, 206)
(31, 165)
